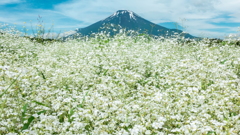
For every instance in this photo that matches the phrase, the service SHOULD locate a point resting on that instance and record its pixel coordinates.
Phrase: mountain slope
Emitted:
(128, 20)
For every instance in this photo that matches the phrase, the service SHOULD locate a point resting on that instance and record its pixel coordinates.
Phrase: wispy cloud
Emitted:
(152, 9)
(4, 2)
(30, 18)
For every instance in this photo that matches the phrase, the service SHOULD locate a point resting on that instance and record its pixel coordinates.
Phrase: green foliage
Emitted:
(42, 40)
(30, 119)
(10, 85)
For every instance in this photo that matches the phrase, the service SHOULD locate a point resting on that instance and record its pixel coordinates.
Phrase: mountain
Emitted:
(128, 20)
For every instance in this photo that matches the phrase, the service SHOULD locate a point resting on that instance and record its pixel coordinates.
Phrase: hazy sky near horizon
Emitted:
(207, 18)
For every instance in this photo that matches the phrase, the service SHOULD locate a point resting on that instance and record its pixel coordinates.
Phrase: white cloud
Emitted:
(4, 2)
(7, 20)
(151, 9)
(198, 13)
(231, 8)
(51, 20)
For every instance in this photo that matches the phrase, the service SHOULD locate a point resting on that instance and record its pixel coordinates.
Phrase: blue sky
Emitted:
(205, 18)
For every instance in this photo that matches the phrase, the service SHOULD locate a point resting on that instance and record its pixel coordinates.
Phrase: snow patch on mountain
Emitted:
(131, 15)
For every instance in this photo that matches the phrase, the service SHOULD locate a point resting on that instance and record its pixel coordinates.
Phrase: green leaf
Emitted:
(24, 111)
(105, 72)
(40, 103)
(71, 112)
(222, 62)
(83, 101)
(10, 85)
(61, 118)
(211, 132)
(43, 75)
(26, 125)
(30, 119)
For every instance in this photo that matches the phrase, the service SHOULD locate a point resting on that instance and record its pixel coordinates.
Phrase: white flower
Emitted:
(35, 115)
(11, 134)
(158, 97)
(162, 119)
(56, 106)
(67, 100)
(216, 123)
(206, 129)
(148, 132)
(137, 129)
(134, 131)
(176, 130)
(157, 125)
(3, 128)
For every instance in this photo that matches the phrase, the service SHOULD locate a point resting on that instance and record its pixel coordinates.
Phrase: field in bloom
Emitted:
(118, 86)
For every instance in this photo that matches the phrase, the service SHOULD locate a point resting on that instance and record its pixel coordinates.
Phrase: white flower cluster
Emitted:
(118, 86)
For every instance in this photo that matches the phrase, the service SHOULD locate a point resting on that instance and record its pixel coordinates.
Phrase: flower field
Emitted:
(122, 85)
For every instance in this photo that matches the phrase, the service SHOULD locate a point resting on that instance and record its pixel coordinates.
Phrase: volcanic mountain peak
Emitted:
(131, 14)
(122, 13)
